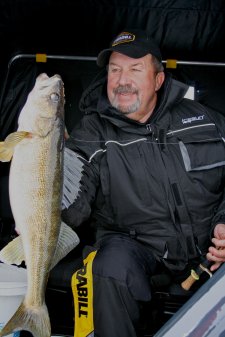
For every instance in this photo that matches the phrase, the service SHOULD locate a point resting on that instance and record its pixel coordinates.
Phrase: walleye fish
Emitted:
(35, 189)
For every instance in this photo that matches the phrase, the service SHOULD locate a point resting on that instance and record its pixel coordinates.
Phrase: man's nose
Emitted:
(124, 77)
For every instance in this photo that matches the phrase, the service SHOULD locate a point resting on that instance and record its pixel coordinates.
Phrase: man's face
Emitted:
(132, 85)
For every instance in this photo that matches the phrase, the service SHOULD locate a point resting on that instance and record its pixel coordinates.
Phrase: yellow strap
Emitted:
(41, 58)
(172, 64)
(82, 287)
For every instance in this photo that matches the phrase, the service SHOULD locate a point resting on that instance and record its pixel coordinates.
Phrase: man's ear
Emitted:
(160, 77)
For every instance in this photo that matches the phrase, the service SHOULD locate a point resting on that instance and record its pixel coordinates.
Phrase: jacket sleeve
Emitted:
(219, 216)
(85, 142)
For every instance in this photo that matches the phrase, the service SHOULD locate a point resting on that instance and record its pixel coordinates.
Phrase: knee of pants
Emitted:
(125, 263)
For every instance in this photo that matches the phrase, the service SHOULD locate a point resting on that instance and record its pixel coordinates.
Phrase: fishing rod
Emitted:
(196, 273)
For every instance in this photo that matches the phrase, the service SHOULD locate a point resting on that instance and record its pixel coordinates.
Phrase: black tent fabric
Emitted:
(185, 30)
(192, 29)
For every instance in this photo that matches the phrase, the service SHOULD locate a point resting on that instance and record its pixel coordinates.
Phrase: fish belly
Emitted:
(35, 197)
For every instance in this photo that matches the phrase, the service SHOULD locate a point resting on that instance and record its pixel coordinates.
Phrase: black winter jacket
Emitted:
(162, 181)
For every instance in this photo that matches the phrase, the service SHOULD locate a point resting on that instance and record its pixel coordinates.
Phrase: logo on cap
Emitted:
(123, 37)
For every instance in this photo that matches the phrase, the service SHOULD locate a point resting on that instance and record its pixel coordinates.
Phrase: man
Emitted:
(152, 185)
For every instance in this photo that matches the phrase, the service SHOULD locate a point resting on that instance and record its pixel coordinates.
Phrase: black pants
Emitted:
(121, 271)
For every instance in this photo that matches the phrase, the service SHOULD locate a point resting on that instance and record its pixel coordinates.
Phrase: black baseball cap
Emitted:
(134, 43)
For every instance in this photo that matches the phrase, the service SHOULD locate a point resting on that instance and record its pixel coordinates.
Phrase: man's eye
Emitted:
(136, 69)
(114, 70)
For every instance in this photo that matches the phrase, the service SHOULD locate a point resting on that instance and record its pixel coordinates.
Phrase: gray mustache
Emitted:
(126, 89)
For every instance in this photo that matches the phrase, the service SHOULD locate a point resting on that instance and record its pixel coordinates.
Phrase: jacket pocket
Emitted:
(202, 151)
(174, 250)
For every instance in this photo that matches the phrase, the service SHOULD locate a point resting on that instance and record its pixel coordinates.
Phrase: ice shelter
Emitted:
(65, 37)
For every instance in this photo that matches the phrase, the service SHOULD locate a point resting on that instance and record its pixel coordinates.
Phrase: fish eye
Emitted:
(54, 97)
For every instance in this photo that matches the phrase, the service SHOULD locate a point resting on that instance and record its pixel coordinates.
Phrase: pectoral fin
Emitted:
(6, 153)
(7, 147)
(72, 174)
(13, 252)
(68, 240)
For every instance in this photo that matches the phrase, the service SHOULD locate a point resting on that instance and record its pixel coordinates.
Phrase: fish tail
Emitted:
(35, 320)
